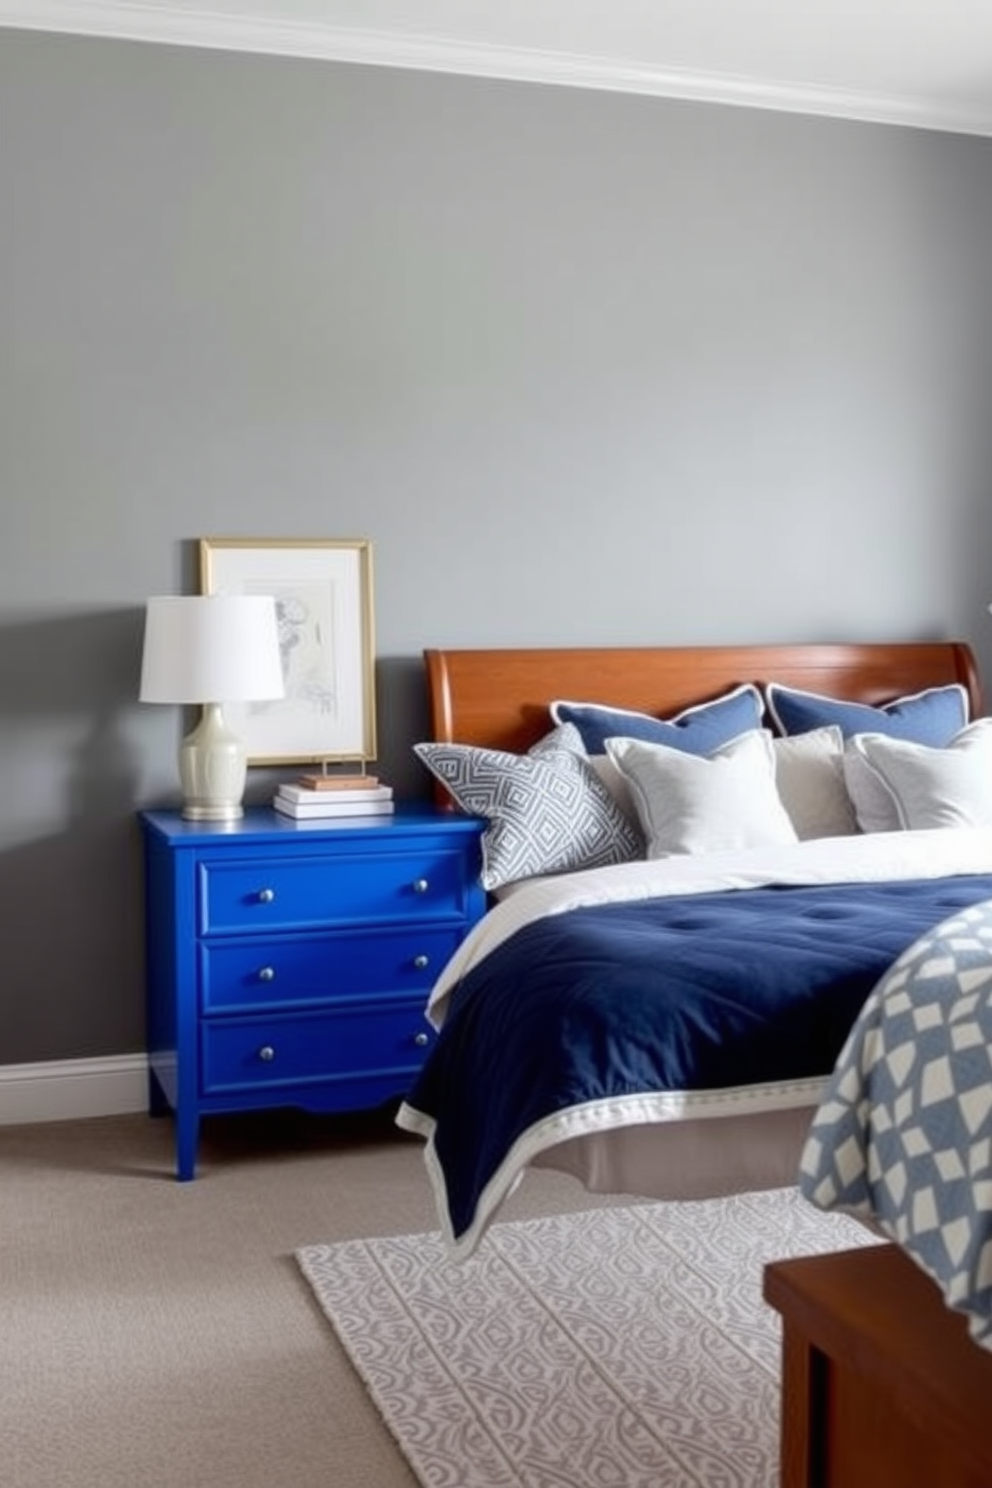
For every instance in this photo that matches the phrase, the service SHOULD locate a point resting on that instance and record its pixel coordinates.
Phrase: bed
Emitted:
(794, 930)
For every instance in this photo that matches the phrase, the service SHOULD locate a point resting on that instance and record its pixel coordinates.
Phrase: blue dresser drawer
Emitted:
(254, 1053)
(294, 893)
(249, 973)
(291, 965)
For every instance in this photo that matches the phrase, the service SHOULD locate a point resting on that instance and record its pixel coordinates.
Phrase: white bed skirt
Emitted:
(691, 1159)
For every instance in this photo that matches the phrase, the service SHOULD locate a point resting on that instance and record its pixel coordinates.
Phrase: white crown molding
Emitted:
(71, 1089)
(125, 20)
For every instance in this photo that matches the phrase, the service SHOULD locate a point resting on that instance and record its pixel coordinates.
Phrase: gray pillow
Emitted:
(809, 777)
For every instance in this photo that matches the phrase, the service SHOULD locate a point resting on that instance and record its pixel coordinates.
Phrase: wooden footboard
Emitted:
(881, 1385)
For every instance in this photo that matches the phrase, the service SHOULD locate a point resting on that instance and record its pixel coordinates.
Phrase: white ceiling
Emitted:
(926, 63)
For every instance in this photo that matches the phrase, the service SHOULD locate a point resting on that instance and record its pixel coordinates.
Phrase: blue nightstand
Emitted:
(289, 964)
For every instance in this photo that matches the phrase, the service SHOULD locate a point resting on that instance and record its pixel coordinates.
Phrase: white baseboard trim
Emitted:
(68, 1089)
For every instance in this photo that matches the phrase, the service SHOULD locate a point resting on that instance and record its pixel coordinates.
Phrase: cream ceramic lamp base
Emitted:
(209, 649)
(213, 769)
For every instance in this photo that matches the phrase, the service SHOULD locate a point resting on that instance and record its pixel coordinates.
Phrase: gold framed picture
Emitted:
(323, 594)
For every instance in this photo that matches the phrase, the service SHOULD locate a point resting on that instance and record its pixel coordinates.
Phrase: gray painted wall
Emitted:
(586, 368)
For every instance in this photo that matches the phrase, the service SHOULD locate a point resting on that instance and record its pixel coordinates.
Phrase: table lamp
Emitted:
(211, 649)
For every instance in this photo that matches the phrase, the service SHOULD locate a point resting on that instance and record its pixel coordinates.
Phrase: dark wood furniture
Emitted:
(881, 1385)
(500, 698)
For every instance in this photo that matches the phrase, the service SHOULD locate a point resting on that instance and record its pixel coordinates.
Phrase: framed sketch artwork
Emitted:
(323, 595)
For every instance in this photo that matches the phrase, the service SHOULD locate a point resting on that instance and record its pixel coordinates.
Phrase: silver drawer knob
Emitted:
(421, 961)
(420, 886)
(266, 1053)
(267, 974)
(420, 1039)
(266, 896)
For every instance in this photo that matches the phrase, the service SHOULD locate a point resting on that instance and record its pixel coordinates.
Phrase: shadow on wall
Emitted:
(73, 936)
(67, 686)
(70, 874)
(402, 718)
(73, 773)
(402, 714)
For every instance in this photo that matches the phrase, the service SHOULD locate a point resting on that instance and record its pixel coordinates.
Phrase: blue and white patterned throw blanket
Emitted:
(903, 1135)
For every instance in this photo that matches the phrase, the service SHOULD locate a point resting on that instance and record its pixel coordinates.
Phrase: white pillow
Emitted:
(809, 776)
(922, 786)
(689, 803)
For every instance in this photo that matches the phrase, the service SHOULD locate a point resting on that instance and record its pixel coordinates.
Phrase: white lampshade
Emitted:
(211, 649)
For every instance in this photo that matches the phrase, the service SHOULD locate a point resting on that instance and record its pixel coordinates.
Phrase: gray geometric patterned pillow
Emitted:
(547, 810)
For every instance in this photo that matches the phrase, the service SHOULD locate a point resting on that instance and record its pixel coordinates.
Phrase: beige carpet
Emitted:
(626, 1346)
(157, 1334)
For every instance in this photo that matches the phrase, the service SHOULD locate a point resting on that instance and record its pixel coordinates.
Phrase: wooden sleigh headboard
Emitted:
(500, 698)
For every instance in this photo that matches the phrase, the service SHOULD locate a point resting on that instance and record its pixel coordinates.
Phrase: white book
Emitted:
(303, 794)
(329, 810)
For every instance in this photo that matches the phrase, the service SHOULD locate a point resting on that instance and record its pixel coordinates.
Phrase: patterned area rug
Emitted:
(618, 1348)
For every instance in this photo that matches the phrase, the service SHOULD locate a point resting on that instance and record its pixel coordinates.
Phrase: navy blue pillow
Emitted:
(932, 717)
(697, 730)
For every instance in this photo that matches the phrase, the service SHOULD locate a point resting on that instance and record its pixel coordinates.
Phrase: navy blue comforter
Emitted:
(695, 993)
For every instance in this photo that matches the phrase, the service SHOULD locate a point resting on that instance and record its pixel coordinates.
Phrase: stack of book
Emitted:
(332, 796)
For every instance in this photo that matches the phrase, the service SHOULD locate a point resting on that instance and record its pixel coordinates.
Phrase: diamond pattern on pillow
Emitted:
(547, 811)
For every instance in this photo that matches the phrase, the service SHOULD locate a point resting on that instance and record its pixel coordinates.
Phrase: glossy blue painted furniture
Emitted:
(289, 964)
